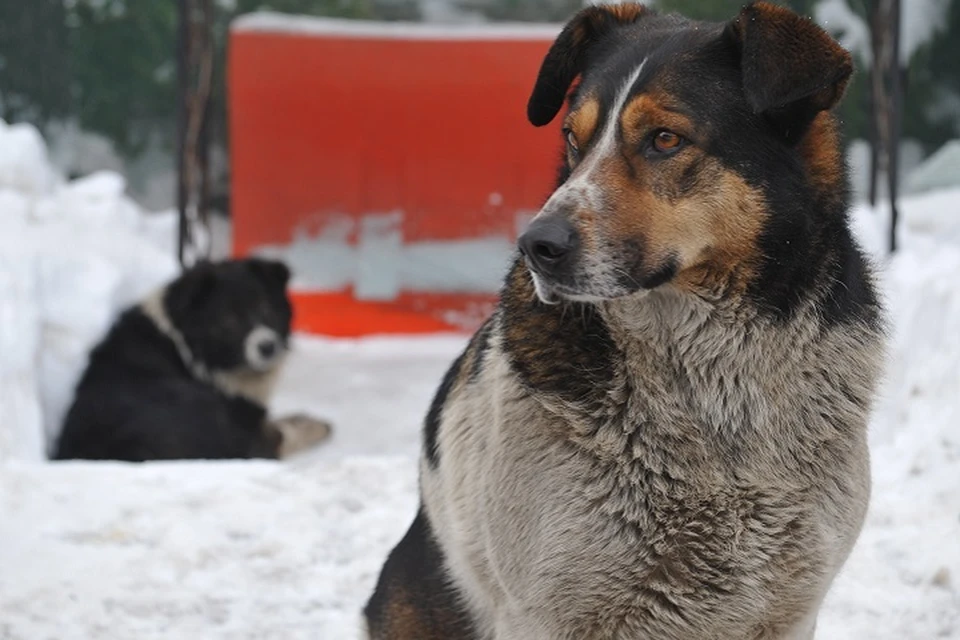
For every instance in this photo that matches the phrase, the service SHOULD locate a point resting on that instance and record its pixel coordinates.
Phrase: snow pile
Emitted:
(72, 254)
(462, 28)
(238, 550)
(24, 166)
(920, 21)
(903, 579)
(939, 171)
(838, 18)
(20, 418)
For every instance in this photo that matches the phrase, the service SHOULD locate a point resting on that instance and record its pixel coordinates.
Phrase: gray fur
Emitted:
(714, 496)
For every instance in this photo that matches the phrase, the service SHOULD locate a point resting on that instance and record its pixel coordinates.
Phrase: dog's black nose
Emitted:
(548, 245)
(267, 348)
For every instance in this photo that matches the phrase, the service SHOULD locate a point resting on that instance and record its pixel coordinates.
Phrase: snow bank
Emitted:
(238, 550)
(903, 579)
(920, 20)
(24, 165)
(850, 29)
(297, 25)
(21, 422)
(72, 254)
(940, 171)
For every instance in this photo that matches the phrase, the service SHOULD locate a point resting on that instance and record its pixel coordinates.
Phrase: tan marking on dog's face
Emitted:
(583, 123)
(628, 12)
(591, 20)
(681, 213)
(649, 112)
(822, 157)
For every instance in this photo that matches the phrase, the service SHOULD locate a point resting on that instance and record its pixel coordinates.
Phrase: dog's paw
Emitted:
(300, 432)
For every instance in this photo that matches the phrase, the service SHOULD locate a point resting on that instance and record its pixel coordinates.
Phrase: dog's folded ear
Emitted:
(792, 69)
(567, 56)
(270, 271)
(189, 290)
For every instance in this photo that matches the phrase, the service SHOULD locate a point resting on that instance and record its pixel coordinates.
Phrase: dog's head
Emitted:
(693, 150)
(233, 315)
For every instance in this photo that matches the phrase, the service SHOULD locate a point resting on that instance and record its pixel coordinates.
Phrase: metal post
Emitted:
(194, 84)
(896, 103)
(873, 138)
(183, 87)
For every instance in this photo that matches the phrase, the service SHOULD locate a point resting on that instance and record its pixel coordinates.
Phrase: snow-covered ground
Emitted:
(291, 550)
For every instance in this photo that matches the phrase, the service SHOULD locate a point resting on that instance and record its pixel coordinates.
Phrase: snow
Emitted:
(24, 166)
(233, 550)
(920, 20)
(72, 255)
(850, 29)
(291, 550)
(941, 170)
(297, 25)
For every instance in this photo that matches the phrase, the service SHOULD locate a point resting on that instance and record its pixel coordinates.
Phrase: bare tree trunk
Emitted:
(195, 75)
(183, 84)
(874, 139)
(896, 101)
(886, 102)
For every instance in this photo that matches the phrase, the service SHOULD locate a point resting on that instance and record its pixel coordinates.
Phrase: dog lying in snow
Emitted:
(188, 373)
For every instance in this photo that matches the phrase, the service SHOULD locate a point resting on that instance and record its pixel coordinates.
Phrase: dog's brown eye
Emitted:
(666, 141)
(571, 142)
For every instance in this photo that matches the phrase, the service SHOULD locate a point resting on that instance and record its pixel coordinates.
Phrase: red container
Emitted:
(391, 165)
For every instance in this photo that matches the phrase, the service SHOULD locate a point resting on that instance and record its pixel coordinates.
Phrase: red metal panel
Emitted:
(327, 126)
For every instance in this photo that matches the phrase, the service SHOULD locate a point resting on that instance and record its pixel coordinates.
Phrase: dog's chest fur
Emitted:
(704, 457)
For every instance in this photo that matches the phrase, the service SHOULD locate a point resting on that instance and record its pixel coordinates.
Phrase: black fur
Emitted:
(465, 368)
(569, 56)
(432, 423)
(138, 400)
(215, 306)
(479, 346)
(413, 600)
(785, 76)
(567, 353)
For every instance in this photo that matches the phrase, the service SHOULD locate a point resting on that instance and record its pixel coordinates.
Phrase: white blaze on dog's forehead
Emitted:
(582, 187)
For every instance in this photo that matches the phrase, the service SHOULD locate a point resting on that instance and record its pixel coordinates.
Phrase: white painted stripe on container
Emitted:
(380, 266)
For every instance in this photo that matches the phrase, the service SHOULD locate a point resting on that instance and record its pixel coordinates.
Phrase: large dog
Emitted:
(660, 433)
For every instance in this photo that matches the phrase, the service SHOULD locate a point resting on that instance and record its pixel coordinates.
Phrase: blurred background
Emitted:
(99, 77)
(381, 148)
(267, 122)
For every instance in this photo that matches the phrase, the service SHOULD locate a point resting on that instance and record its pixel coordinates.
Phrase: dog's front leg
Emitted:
(414, 599)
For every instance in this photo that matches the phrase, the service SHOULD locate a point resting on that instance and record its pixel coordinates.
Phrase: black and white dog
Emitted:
(188, 372)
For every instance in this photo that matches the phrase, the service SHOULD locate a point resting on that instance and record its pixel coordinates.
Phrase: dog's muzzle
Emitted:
(263, 348)
(550, 247)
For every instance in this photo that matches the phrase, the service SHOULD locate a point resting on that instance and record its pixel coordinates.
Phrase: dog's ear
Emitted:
(272, 272)
(792, 69)
(568, 55)
(189, 290)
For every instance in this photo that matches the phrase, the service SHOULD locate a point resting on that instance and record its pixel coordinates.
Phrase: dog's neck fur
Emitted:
(727, 371)
(721, 349)
(242, 382)
(725, 364)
